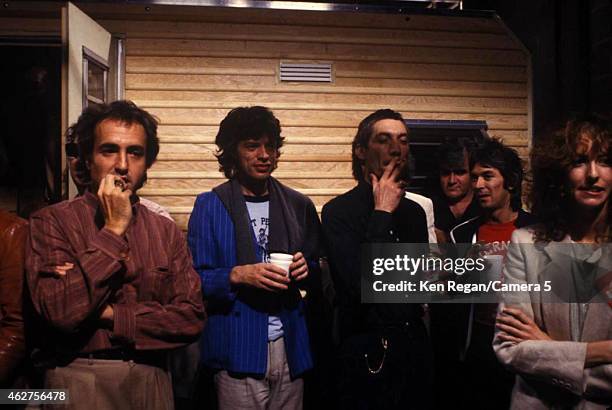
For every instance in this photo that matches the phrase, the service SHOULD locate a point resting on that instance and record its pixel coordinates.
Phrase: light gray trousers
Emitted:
(110, 385)
(274, 391)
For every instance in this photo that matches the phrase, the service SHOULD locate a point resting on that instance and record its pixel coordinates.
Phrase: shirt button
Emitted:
(124, 256)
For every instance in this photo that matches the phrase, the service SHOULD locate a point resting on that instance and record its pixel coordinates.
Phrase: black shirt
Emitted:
(444, 218)
(350, 220)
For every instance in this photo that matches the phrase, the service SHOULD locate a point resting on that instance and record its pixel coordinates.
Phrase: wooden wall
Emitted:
(190, 66)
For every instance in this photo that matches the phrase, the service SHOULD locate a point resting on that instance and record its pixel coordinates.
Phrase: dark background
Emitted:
(571, 49)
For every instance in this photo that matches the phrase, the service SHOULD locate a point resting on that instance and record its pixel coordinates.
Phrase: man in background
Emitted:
(497, 175)
(456, 202)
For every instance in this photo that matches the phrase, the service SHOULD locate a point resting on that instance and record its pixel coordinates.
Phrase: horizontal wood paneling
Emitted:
(344, 102)
(190, 65)
(335, 51)
(328, 118)
(191, 74)
(379, 86)
(311, 34)
(192, 186)
(356, 69)
(343, 168)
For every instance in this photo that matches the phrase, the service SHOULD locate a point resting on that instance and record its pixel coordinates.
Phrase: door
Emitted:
(87, 49)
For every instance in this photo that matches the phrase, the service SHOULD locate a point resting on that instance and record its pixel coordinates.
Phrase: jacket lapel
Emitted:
(232, 198)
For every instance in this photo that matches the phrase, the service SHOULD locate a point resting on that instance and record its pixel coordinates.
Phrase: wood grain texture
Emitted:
(190, 65)
(321, 50)
(310, 34)
(370, 69)
(270, 84)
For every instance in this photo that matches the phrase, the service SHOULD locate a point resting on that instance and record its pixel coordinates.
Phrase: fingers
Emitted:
(374, 181)
(519, 314)
(300, 273)
(512, 331)
(273, 269)
(298, 261)
(112, 184)
(298, 256)
(395, 171)
(271, 285)
(504, 337)
(511, 321)
(273, 275)
(389, 169)
(62, 270)
(298, 270)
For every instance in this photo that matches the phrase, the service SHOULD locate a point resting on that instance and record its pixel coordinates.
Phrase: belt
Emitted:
(153, 358)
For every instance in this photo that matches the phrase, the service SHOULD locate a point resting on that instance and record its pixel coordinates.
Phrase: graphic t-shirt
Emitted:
(497, 238)
(258, 208)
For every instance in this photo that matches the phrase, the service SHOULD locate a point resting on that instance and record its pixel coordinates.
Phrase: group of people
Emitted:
(111, 286)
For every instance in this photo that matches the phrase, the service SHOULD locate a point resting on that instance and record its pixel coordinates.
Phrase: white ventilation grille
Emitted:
(319, 73)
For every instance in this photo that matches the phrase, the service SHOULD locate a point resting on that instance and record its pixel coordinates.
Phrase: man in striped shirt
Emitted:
(111, 281)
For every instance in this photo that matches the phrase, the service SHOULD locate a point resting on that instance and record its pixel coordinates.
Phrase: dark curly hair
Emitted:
(241, 124)
(493, 154)
(83, 132)
(364, 132)
(551, 160)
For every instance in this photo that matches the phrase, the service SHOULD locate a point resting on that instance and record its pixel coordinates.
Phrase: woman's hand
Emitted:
(517, 327)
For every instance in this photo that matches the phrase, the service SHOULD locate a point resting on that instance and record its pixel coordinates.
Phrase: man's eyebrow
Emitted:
(108, 145)
(388, 134)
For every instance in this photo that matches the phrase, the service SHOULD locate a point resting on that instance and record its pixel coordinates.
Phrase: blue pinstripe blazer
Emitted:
(236, 335)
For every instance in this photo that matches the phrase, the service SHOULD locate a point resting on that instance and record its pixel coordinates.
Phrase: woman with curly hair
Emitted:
(562, 352)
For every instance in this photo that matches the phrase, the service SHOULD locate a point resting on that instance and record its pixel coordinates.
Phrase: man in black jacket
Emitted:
(384, 356)
(497, 175)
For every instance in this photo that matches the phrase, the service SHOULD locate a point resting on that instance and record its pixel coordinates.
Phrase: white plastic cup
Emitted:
(282, 260)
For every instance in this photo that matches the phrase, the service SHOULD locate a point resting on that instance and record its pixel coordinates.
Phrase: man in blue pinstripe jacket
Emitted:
(256, 337)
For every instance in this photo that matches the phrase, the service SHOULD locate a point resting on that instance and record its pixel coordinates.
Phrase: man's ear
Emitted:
(360, 152)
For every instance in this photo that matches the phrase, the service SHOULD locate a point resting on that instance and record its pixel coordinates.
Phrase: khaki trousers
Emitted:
(274, 391)
(111, 385)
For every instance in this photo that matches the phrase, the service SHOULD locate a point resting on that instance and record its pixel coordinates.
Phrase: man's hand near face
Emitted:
(260, 275)
(115, 203)
(388, 190)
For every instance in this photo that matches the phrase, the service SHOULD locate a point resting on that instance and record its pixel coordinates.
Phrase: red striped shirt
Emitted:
(146, 275)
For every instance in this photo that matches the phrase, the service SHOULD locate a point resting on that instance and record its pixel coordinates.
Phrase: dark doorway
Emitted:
(30, 136)
(425, 138)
